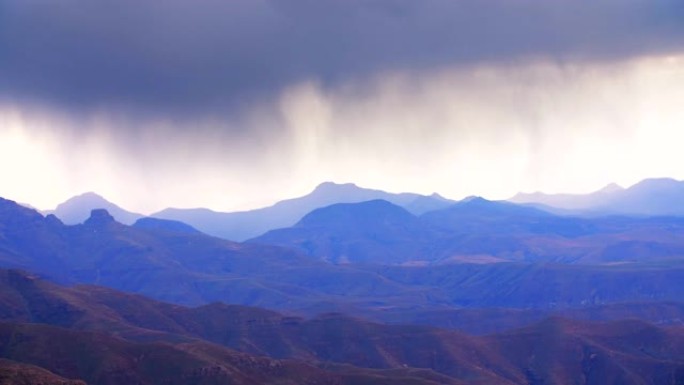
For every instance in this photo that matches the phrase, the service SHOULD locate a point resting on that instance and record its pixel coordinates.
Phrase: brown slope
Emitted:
(26, 298)
(550, 350)
(561, 351)
(99, 358)
(333, 338)
(479, 321)
(16, 373)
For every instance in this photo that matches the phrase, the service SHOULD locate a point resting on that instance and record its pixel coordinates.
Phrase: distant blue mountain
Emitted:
(180, 266)
(369, 215)
(478, 208)
(614, 260)
(649, 197)
(77, 209)
(240, 226)
(475, 230)
(164, 225)
(375, 231)
(425, 203)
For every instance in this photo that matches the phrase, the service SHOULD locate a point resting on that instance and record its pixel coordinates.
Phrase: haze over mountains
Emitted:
(472, 230)
(186, 267)
(476, 230)
(662, 196)
(77, 209)
(239, 226)
(369, 291)
(175, 113)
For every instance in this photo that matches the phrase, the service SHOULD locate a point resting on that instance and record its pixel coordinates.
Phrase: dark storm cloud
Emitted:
(207, 55)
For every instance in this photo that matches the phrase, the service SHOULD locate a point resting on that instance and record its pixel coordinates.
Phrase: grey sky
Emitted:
(238, 103)
(214, 54)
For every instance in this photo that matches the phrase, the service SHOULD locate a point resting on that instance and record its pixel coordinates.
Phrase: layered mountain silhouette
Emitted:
(374, 231)
(239, 226)
(150, 223)
(192, 268)
(68, 331)
(476, 230)
(649, 197)
(181, 266)
(351, 294)
(77, 209)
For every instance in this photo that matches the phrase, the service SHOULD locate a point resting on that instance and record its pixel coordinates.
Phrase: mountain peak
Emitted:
(474, 199)
(477, 207)
(89, 195)
(77, 209)
(99, 217)
(657, 183)
(362, 212)
(12, 211)
(87, 198)
(165, 225)
(52, 219)
(332, 186)
(610, 188)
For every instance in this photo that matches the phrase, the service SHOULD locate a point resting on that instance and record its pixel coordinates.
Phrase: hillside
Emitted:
(98, 358)
(16, 373)
(173, 341)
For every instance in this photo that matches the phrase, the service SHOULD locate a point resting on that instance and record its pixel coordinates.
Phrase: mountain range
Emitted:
(182, 266)
(77, 209)
(191, 268)
(476, 230)
(662, 196)
(386, 289)
(240, 226)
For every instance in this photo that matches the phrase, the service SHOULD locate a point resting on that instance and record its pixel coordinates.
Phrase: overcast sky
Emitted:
(235, 104)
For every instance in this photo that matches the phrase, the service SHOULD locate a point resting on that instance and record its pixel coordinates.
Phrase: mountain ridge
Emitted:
(476, 230)
(194, 269)
(243, 225)
(77, 209)
(654, 196)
